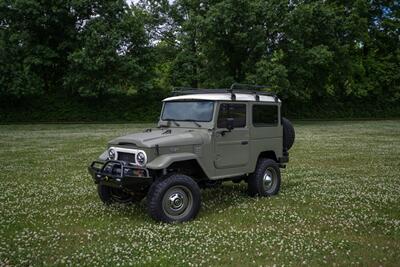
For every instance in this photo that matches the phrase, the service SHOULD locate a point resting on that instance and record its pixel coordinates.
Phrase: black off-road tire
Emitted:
(109, 195)
(288, 133)
(165, 191)
(266, 180)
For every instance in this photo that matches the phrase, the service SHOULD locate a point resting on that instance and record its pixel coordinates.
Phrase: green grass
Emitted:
(339, 204)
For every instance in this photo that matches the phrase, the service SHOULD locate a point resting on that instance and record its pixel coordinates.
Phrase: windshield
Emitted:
(188, 111)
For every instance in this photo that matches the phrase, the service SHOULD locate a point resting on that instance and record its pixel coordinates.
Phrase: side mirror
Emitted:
(229, 124)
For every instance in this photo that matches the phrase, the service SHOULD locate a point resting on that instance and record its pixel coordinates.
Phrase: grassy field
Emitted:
(339, 204)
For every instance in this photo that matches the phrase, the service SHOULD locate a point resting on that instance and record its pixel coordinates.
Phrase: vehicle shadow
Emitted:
(214, 200)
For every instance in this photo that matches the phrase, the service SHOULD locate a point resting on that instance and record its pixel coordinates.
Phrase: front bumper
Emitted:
(119, 174)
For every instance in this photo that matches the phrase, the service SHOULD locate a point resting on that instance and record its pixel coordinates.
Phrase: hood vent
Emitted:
(127, 144)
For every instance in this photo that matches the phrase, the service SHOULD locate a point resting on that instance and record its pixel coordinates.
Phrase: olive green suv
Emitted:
(204, 137)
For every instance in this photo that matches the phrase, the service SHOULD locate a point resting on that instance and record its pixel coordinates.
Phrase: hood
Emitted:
(163, 138)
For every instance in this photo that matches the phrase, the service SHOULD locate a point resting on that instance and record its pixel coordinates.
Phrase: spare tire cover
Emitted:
(288, 133)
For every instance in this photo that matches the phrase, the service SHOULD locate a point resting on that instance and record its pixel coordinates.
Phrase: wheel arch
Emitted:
(189, 167)
(185, 163)
(269, 154)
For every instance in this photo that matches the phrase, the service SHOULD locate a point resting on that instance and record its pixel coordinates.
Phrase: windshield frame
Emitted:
(188, 120)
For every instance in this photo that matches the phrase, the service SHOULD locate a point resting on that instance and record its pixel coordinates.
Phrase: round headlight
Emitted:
(111, 154)
(141, 158)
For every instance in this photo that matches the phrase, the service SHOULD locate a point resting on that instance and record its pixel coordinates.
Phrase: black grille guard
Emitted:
(118, 169)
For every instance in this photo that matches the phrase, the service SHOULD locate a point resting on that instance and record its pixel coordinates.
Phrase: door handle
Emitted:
(244, 142)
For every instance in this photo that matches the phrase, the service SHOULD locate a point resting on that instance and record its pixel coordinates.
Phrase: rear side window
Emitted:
(265, 115)
(235, 111)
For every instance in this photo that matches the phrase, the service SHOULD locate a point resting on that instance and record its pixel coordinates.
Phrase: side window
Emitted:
(265, 115)
(235, 111)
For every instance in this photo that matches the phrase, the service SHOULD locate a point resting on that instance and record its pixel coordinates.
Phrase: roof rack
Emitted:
(233, 90)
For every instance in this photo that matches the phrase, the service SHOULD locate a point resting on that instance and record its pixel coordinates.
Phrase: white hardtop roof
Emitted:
(222, 97)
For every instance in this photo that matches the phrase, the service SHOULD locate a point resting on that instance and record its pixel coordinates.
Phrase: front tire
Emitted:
(176, 198)
(266, 180)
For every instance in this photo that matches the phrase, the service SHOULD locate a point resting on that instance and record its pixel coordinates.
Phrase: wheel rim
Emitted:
(269, 180)
(177, 202)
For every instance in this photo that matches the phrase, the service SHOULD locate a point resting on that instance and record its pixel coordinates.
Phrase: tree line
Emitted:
(309, 52)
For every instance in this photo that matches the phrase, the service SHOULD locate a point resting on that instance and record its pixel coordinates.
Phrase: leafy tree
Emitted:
(76, 46)
(381, 51)
(114, 56)
(309, 52)
(35, 40)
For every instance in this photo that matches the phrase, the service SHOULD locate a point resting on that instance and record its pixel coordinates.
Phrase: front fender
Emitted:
(163, 161)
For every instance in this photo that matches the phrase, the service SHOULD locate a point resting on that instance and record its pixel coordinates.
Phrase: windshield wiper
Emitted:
(195, 122)
(174, 121)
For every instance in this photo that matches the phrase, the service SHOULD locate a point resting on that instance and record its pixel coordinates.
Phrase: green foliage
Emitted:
(310, 52)
(114, 55)
(73, 47)
(272, 72)
(35, 39)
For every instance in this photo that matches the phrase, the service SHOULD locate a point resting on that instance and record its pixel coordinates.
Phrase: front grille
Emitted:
(128, 157)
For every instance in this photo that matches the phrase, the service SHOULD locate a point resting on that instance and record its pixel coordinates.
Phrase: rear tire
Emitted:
(288, 133)
(176, 198)
(266, 180)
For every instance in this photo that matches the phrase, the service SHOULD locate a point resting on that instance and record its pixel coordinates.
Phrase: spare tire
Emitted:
(288, 133)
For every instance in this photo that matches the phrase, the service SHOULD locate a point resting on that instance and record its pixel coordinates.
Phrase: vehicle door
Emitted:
(232, 136)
